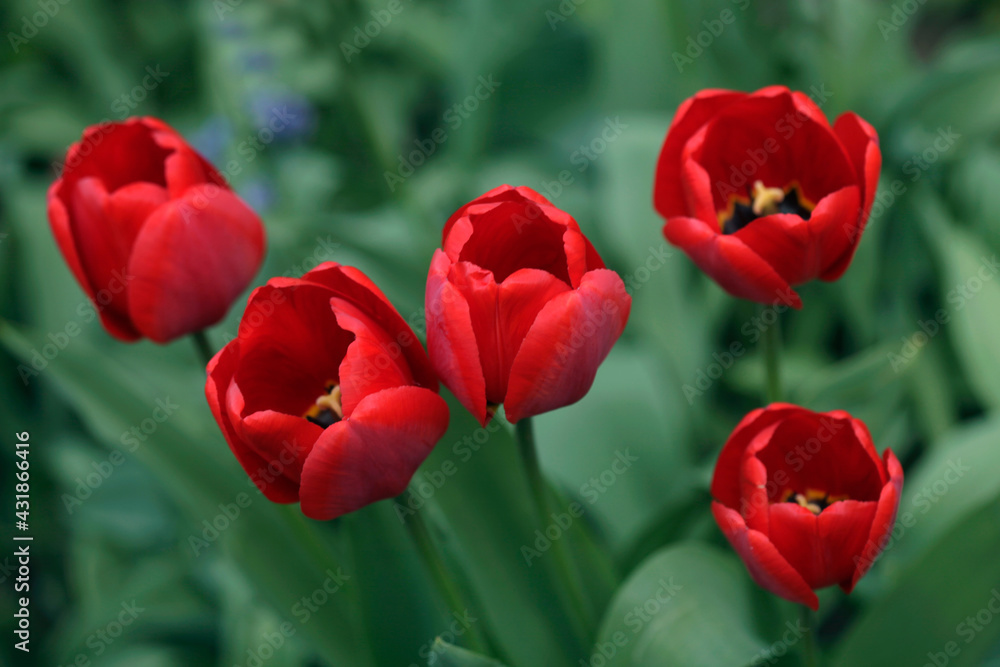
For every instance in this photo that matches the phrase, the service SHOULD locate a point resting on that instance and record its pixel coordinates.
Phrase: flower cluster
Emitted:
(327, 398)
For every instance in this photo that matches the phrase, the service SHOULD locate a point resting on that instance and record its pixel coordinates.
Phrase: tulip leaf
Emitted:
(635, 439)
(476, 479)
(395, 591)
(656, 273)
(956, 479)
(941, 609)
(856, 380)
(678, 519)
(206, 481)
(688, 604)
(444, 654)
(971, 294)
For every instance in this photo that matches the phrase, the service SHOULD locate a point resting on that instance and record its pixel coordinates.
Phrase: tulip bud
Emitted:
(520, 309)
(151, 231)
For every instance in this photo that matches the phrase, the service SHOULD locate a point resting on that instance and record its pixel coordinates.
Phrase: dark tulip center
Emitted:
(762, 201)
(327, 410)
(813, 500)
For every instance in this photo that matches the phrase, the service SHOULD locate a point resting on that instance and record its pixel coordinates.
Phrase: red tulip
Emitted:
(325, 396)
(762, 193)
(151, 231)
(804, 499)
(520, 309)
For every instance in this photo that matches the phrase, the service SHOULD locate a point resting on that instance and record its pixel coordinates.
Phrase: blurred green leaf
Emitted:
(476, 478)
(448, 655)
(933, 608)
(286, 567)
(622, 416)
(970, 289)
(860, 378)
(955, 480)
(685, 605)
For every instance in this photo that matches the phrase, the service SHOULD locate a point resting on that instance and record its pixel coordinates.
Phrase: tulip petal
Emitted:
(581, 256)
(479, 290)
(502, 315)
(354, 286)
(451, 340)
(861, 143)
(117, 154)
(371, 362)
(520, 298)
(767, 567)
(800, 249)
(374, 454)
(774, 139)
(754, 500)
(811, 450)
(843, 529)
(569, 339)
(516, 235)
(220, 376)
(882, 524)
(184, 168)
(698, 186)
(729, 262)
(181, 281)
(821, 547)
(497, 194)
(726, 484)
(283, 440)
(127, 209)
(103, 247)
(62, 230)
(794, 533)
(291, 347)
(668, 190)
(864, 438)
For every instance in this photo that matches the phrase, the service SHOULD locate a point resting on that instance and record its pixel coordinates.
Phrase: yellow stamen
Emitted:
(766, 200)
(331, 402)
(804, 502)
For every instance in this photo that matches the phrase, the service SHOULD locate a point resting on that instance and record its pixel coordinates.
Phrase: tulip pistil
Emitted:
(766, 200)
(763, 201)
(813, 500)
(327, 410)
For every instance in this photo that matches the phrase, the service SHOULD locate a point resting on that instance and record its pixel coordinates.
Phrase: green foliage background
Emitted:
(565, 70)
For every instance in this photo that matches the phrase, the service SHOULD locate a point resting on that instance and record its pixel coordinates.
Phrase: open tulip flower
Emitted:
(520, 309)
(763, 193)
(804, 499)
(151, 231)
(325, 396)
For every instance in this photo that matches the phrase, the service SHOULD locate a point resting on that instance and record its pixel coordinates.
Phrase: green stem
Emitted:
(203, 346)
(449, 590)
(562, 565)
(810, 653)
(771, 344)
(317, 550)
(306, 534)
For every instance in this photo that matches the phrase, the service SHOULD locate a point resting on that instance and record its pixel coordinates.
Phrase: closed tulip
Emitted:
(520, 308)
(151, 231)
